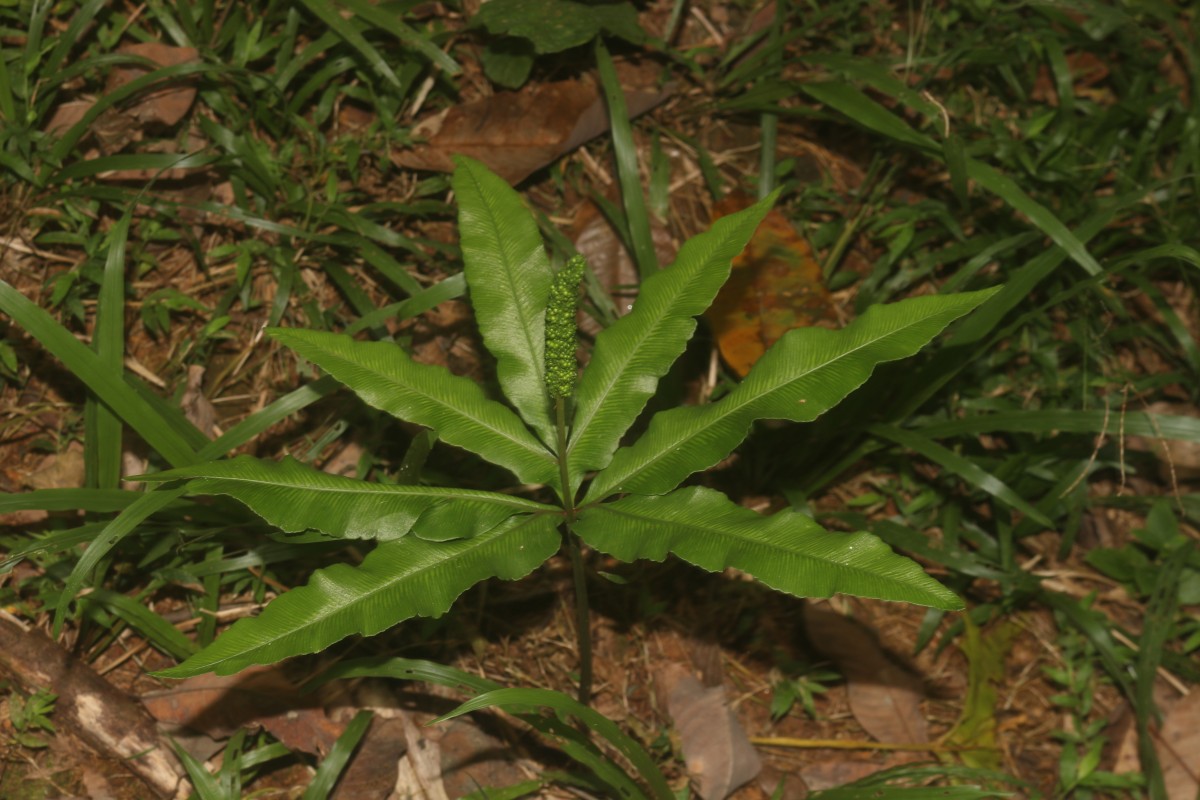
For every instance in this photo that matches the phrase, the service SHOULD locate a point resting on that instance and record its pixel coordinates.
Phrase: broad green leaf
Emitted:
(386, 377)
(509, 275)
(556, 25)
(802, 376)
(787, 551)
(294, 498)
(638, 349)
(398, 580)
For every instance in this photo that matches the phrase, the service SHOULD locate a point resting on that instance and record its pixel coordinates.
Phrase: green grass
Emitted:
(1051, 150)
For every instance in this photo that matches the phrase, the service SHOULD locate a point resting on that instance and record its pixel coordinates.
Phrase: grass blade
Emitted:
(963, 468)
(627, 164)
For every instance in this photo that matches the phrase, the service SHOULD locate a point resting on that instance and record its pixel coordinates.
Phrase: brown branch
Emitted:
(95, 711)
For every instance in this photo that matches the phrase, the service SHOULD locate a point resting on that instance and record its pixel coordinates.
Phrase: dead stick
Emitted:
(99, 714)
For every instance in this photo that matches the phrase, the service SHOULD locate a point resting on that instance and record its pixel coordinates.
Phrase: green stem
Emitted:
(583, 630)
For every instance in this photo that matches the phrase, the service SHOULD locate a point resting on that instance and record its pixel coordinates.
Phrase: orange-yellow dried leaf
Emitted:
(775, 286)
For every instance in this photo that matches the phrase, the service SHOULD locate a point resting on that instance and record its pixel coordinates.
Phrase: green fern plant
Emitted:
(433, 543)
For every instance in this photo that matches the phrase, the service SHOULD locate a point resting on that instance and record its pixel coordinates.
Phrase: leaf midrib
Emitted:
(386, 490)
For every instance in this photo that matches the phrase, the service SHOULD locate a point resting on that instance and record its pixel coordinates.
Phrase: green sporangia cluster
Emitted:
(561, 367)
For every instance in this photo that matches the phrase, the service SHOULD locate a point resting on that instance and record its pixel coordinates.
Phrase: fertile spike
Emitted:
(561, 367)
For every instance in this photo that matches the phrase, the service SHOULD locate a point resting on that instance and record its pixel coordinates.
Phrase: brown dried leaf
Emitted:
(1178, 746)
(167, 105)
(198, 409)
(1175, 454)
(59, 470)
(372, 771)
(884, 698)
(518, 133)
(220, 704)
(718, 753)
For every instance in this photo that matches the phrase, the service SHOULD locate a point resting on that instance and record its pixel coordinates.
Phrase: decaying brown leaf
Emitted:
(220, 704)
(167, 105)
(884, 697)
(718, 753)
(517, 133)
(1178, 747)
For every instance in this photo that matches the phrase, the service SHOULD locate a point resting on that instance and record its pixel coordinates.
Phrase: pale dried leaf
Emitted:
(1178, 746)
(717, 751)
(420, 773)
(59, 470)
(196, 407)
(884, 697)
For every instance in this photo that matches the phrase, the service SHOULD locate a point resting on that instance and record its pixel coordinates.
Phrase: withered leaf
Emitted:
(518, 133)
(718, 753)
(884, 698)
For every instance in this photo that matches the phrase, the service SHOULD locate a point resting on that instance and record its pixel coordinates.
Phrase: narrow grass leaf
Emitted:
(521, 699)
(203, 781)
(328, 14)
(573, 743)
(866, 112)
(102, 440)
(786, 551)
(332, 765)
(509, 276)
(94, 500)
(398, 580)
(124, 524)
(154, 628)
(385, 377)
(804, 374)
(294, 498)
(1066, 420)
(388, 20)
(966, 470)
(627, 164)
(448, 289)
(634, 352)
(105, 382)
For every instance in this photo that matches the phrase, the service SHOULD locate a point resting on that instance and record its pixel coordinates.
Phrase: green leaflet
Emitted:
(294, 498)
(802, 376)
(396, 581)
(385, 376)
(639, 348)
(509, 277)
(787, 551)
